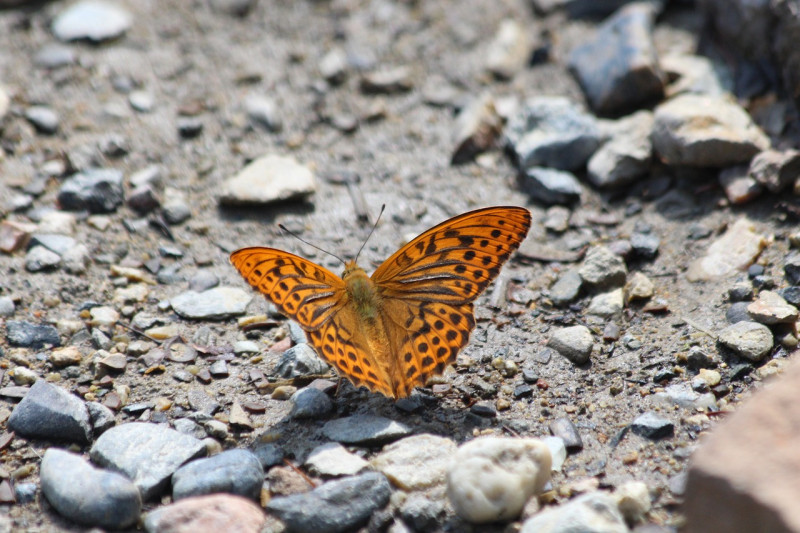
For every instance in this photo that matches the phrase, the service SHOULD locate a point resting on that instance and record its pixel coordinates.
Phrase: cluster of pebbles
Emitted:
(145, 399)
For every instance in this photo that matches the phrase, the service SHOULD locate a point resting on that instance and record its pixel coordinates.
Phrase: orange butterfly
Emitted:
(394, 330)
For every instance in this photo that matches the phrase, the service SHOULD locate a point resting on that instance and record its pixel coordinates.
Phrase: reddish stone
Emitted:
(216, 512)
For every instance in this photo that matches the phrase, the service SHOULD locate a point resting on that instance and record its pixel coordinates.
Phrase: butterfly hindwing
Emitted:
(456, 260)
(301, 290)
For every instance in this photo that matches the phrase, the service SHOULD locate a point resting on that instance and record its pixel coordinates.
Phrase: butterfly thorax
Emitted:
(361, 290)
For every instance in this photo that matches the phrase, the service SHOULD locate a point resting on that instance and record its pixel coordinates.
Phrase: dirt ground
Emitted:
(189, 55)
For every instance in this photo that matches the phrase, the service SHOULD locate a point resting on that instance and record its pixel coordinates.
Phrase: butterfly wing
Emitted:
(428, 286)
(300, 289)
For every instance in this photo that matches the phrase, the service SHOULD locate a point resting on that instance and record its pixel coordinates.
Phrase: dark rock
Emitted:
(96, 190)
(566, 430)
(364, 430)
(483, 410)
(551, 186)
(43, 118)
(268, 454)
(310, 403)
(232, 471)
(20, 333)
(652, 426)
(645, 245)
(300, 360)
(791, 268)
(49, 412)
(791, 294)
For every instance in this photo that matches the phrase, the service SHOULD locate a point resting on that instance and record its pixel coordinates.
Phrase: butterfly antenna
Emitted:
(296, 236)
(370, 232)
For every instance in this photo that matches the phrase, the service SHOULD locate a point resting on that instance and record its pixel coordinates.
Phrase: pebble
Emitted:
(633, 501)
(558, 452)
(552, 132)
(300, 360)
(7, 306)
(775, 170)
(564, 429)
(43, 118)
(147, 453)
(88, 495)
(740, 188)
(389, 80)
(704, 131)
(751, 340)
(25, 493)
(731, 253)
(239, 418)
(268, 454)
(567, 288)
(245, 347)
(652, 426)
(23, 376)
(476, 129)
(790, 294)
(215, 512)
(603, 268)
(639, 287)
(627, 156)
(742, 291)
(770, 308)
(681, 394)
(52, 56)
(618, 67)
(509, 51)
(607, 304)
(263, 112)
(232, 471)
(219, 303)
(189, 127)
(557, 219)
(596, 512)
(421, 513)
(551, 186)
(94, 20)
(333, 460)
(142, 101)
(645, 245)
(419, 462)
(96, 190)
(574, 342)
(101, 416)
(103, 316)
(695, 74)
(143, 199)
(333, 66)
(270, 178)
(50, 412)
(336, 506)
(175, 209)
(791, 268)
(27, 335)
(310, 403)
(14, 235)
(76, 260)
(365, 430)
(491, 478)
(40, 259)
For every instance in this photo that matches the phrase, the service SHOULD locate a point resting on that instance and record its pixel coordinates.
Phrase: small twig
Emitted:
(302, 474)
(141, 333)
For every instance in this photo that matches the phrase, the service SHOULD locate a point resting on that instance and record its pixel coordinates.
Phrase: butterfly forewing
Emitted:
(456, 260)
(301, 290)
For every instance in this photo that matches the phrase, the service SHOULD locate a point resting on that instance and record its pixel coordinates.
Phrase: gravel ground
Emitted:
(199, 64)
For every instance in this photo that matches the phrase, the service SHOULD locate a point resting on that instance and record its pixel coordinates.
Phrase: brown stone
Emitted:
(216, 512)
(745, 476)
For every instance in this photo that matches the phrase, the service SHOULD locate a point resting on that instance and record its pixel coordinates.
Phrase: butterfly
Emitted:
(392, 331)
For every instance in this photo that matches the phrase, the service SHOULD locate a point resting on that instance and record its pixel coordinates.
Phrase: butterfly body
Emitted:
(393, 330)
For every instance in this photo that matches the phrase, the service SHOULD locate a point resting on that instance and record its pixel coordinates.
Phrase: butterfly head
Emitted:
(352, 269)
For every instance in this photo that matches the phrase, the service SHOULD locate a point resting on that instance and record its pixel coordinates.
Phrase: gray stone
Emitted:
(388, 80)
(652, 426)
(336, 506)
(738, 313)
(268, 454)
(232, 471)
(7, 306)
(94, 20)
(203, 280)
(551, 186)
(627, 156)
(703, 131)
(147, 453)
(791, 268)
(681, 394)
(333, 66)
(88, 495)
(696, 74)
(54, 55)
(300, 360)
(365, 430)
(775, 170)
(607, 304)
(96, 190)
(219, 303)
(422, 513)
(596, 512)
(567, 288)
(645, 245)
(618, 68)
(270, 178)
(101, 416)
(263, 112)
(552, 132)
(603, 268)
(332, 459)
(21, 333)
(751, 340)
(43, 118)
(49, 412)
(575, 343)
(790, 294)
(310, 402)
(564, 429)
(40, 259)
(76, 260)
(53, 242)
(510, 49)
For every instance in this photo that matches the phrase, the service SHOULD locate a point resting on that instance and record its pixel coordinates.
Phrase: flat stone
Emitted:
(93, 20)
(59, 244)
(703, 131)
(335, 506)
(332, 459)
(232, 471)
(652, 426)
(603, 268)
(63, 357)
(88, 495)
(744, 475)
(627, 156)
(682, 395)
(731, 253)
(147, 453)
(775, 170)
(219, 303)
(215, 512)
(365, 430)
(416, 463)
(491, 478)
(388, 80)
(751, 340)
(574, 342)
(567, 288)
(52, 56)
(270, 178)
(618, 67)
(770, 308)
(39, 259)
(50, 412)
(596, 512)
(552, 132)
(551, 186)
(96, 190)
